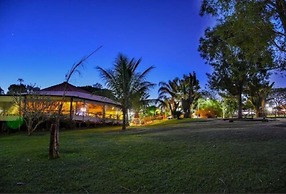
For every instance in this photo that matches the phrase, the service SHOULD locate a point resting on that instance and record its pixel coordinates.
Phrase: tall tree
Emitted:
(257, 18)
(125, 82)
(233, 58)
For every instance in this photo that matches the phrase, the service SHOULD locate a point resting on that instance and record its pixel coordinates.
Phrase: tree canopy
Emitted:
(238, 52)
(256, 21)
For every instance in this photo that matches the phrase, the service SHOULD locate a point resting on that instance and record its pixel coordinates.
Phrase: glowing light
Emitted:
(83, 109)
(16, 123)
(268, 108)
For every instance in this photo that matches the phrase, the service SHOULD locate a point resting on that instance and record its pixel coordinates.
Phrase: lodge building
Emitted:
(78, 105)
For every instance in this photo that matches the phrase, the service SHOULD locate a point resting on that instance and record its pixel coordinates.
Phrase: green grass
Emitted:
(171, 156)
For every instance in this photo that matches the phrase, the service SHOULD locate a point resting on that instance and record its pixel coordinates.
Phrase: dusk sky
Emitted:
(41, 39)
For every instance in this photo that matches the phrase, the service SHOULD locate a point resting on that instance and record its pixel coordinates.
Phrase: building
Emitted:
(79, 105)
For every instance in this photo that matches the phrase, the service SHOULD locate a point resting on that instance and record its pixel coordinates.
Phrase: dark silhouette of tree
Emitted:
(96, 90)
(16, 89)
(1, 91)
(97, 85)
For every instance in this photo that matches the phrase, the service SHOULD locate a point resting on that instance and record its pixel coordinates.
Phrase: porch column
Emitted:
(71, 109)
(103, 112)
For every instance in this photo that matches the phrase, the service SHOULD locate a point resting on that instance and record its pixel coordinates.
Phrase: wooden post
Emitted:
(103, 113)
(71, 109)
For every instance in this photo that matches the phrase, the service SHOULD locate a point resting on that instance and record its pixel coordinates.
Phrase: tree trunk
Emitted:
(187, 114)
(257, 112)
(124, 112)
(239, 106)
(54, 144)
(173, 112)
(262, 110)
(281, 9)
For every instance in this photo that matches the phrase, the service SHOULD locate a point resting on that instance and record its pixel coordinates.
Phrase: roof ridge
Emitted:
(68, 86)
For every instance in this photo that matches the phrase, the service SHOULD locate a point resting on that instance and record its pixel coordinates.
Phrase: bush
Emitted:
(66, 123)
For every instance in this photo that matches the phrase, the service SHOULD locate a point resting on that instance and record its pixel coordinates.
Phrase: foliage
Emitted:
(259, 21)
(189, 91)
(229, 106)
(163, 104)
(169, 95)
(35, 109)
(233, 56)
(181, 94)
(278, 97)
(16, 89)
(209, 108)
(126, 83)
(22, 88)
(97, 90)
(258, 91)
(1, 91)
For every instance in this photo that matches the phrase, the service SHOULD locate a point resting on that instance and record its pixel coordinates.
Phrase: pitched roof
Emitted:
(65, 87)
(73, 91)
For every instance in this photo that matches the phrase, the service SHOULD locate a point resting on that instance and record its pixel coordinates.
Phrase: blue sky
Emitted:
(41, 39)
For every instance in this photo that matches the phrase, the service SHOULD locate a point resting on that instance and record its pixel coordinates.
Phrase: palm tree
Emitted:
(189, 92)
(181, 92)
(171, 91)
(125, 82)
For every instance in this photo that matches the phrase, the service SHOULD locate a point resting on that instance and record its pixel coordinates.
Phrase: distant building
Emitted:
(79, 105)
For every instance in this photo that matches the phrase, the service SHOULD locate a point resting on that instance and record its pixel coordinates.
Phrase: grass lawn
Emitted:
(173, 156)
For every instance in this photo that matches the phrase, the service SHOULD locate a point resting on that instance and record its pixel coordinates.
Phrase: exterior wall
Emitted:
(85, 110)
(8, 110)
(76, 108)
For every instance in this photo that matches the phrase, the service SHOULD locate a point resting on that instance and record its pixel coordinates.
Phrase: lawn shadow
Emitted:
(216, 129)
